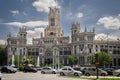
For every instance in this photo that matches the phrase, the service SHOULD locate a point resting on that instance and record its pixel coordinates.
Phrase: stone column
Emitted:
(73, 50)
(85, 59)
(117, 62)
(43, 60)
(113, 61)
(77, 49)
(53, 61)
(62, 59)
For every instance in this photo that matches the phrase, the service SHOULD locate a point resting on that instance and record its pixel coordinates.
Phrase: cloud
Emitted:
(103, 36)
(79, 15)
(14, 12)
(118, 14)
(36, 33)
(27, 24)
(24, 13)
(43, 5)
(1, 20)
(72, 16)
(110, 22)
(2, 42)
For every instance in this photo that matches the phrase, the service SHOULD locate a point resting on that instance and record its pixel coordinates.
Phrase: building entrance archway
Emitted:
(48, 57)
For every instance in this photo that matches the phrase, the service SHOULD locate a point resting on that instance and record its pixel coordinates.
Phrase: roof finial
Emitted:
(41, 34)
(85, 29)
(93, 29)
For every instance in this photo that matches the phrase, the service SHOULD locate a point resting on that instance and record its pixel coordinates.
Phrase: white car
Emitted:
(0, 76)
(48, 70)
(116, 72)
(69, 71)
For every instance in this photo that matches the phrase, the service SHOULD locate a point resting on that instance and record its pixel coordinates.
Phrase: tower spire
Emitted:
(85, 29)
(93, 29)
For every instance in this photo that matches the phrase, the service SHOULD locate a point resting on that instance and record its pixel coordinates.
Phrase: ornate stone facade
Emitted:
(54, 47)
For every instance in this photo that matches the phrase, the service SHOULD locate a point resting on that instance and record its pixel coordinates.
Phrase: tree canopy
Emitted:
(104, 58)
(2, 56)
(72, 60)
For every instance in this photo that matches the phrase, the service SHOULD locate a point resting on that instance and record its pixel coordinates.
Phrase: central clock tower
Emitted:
(53, 28)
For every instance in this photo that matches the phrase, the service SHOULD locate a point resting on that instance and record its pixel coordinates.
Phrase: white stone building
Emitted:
(54, 47)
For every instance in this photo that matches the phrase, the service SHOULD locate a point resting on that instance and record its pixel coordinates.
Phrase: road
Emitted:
(35, 76)
(39, 76)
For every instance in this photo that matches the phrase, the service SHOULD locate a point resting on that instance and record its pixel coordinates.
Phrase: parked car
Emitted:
(45, 70)
(29, 69)
(116, 72)
(81, 69)
(93, 71)
(0, 76)
(109, 71)
(69, 71)
(8, 69)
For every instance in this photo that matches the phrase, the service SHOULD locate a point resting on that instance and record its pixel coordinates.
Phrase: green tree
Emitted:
(103, 58)
(18, 60)
(72, 60)
(2, 56)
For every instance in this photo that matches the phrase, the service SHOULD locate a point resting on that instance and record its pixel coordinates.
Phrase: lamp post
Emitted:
(97, 64)
(107, 44)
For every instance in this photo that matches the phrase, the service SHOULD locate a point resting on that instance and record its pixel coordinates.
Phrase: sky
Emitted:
(103, 15)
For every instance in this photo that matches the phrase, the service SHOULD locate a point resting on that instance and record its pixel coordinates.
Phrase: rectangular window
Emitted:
(90, 51)
(52, 21)
(119, 62)
(13, 42)
(60, 52)
(114, 62)
(81, 38)
(90, 38)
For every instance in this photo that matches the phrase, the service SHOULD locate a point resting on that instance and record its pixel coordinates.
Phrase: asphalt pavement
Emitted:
(39, 76)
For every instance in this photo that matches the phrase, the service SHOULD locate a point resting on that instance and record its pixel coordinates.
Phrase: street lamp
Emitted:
(97, 63)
